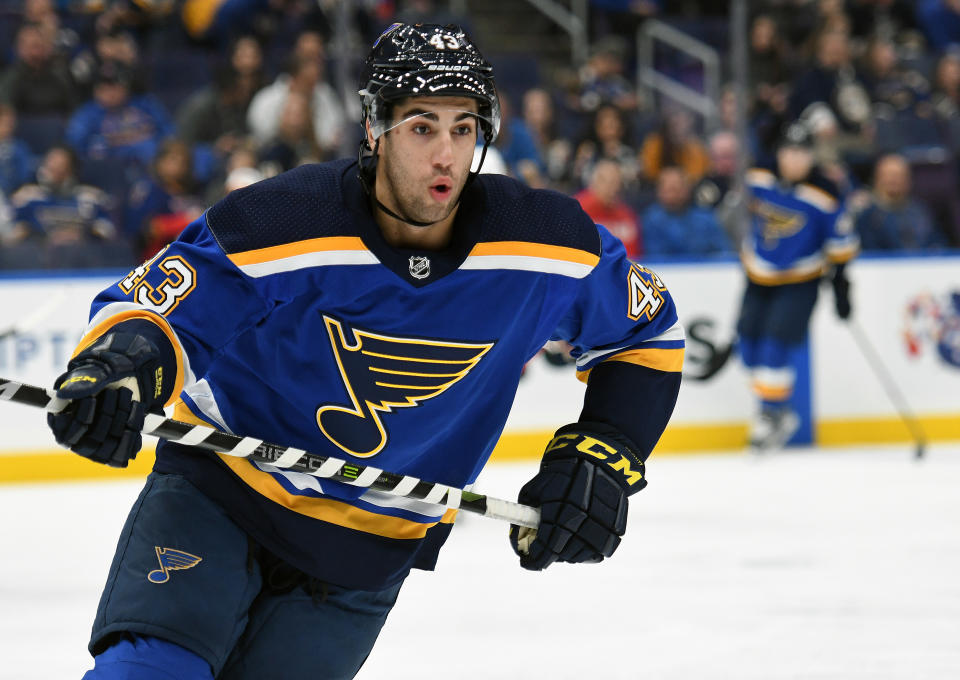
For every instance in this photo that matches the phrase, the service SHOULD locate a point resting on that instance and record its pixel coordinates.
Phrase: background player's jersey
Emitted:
(796, 231)
(293, 321)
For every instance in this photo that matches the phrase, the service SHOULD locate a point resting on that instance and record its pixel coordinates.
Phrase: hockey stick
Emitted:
(896, 396)
(298, 460)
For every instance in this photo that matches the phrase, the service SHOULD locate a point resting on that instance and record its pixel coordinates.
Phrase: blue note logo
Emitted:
(171, 560)
(382, 373)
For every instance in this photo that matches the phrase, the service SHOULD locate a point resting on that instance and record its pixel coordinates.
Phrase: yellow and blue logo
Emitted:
(383, 373)
(171, 560)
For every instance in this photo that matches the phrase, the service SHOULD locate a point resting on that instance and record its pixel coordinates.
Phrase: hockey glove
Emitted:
(110, 385)
(841, 293)
(585, 476)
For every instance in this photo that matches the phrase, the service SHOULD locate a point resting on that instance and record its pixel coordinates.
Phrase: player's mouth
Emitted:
(441, 190)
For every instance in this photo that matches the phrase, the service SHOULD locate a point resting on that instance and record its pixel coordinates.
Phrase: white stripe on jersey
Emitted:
(574, 270)
(674, 333)
(306, 260)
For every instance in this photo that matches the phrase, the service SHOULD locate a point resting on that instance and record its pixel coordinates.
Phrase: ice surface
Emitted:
(811, 564)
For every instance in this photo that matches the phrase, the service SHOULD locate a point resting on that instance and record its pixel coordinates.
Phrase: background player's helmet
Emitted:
(797, 135)
(427, 60)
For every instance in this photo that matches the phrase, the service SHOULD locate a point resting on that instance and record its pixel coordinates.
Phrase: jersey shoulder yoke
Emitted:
(515, 212)
(303, 203)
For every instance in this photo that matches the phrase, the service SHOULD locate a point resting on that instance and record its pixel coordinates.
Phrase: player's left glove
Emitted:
(841, 293)
(585, 476)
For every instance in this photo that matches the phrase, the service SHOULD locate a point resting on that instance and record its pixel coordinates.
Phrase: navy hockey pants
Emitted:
(189, 596)
(773, 320)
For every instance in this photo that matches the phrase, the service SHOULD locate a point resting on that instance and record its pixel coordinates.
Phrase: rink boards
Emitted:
(905, 306)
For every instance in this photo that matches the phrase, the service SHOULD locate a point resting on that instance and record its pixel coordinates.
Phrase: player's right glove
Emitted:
(110, 385)
(585, 476)
(841, 293)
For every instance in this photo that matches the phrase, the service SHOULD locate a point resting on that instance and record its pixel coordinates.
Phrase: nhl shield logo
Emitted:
(419, 266)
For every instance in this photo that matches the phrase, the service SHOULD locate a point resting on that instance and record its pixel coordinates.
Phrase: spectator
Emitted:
(115, 126)
(305, 75)
(601, 79)
(58, 211)
(16, 160)
(602, 201)
(244, 159)
(295, 142)
(215, 117)
(116, 45)
(946, 85)
(832, 80)
(887, 83)
(673, 226)
(940, 22)
(884, 18)
(539, 114)
(518, 148)
(889, 218)
(161, 205)
(716, 191)
(37, 83)
(43, 14)
(769, 57)
(608, 138)
(216, 22)
(674, 143)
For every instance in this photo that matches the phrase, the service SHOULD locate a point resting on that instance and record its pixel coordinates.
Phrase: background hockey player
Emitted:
(379, 310)
(798, 234)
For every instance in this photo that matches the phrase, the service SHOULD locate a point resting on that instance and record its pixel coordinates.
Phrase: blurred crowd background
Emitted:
(122, 120)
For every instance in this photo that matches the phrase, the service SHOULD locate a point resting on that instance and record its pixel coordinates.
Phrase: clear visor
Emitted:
(380, 127)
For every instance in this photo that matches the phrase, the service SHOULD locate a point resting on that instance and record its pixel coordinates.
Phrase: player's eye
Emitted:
(421, 129)
(463, 130)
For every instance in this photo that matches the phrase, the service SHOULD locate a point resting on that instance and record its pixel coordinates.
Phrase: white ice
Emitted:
(811, 564)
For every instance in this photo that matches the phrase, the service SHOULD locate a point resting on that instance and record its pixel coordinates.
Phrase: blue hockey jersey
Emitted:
(292, 320)
(796, 231)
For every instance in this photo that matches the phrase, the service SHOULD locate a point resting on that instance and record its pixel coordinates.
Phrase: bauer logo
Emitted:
(171, 560)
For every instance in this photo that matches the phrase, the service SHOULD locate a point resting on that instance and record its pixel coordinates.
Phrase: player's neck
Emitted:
(400, 234)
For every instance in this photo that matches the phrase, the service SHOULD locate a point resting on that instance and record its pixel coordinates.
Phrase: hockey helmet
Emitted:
(427, 60)
(797, 134)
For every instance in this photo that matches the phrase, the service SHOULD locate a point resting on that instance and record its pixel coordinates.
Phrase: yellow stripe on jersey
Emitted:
(327, 509)
(313, 245)
(101, 328)
(529, 249)
(667, 360)
(324, 509)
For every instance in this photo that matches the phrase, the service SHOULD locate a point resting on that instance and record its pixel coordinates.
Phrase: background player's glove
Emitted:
(104, 424)
(586, 474)
(841, 293)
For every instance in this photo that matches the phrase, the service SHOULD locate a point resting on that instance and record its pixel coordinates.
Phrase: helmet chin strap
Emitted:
(371, 168)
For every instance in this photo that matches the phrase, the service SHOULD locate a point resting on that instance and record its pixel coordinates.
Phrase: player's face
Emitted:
(794, 163)
(425, 159)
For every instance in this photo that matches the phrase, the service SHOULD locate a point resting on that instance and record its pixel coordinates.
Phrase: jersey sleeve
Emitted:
(193, 297)
(623, 312)
(629, 347)
(842, 242)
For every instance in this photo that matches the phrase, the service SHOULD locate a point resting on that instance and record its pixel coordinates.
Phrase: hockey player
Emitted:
(378, 310)
(798, 234)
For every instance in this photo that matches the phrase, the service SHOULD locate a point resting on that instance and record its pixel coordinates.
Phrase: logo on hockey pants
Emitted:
(171, 560)
(383, 373)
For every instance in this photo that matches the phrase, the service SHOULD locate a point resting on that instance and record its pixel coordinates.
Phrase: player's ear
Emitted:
(370, 140)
